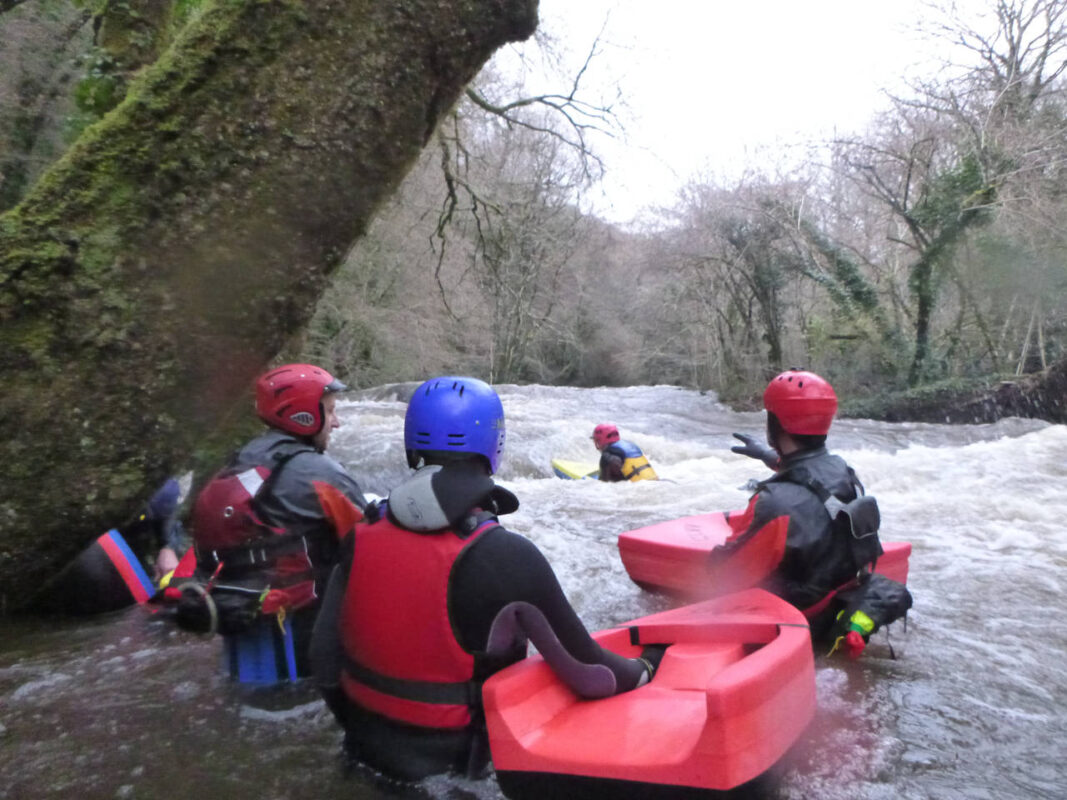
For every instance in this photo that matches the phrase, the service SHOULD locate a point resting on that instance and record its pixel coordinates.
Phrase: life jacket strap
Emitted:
(461, 693)
(256, 554)
(864, 544)
(636, 471)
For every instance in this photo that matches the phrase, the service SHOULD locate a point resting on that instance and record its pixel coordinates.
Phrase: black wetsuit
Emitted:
(499, 572)
(611, 465)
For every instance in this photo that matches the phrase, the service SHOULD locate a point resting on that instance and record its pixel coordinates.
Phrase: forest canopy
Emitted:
(924, 250)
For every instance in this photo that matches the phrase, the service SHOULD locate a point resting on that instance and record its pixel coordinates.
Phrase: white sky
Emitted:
(711, 85)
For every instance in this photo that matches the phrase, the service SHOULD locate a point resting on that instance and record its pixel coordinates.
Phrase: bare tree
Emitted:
(1009, 66)
(982, 139)
(568, 116)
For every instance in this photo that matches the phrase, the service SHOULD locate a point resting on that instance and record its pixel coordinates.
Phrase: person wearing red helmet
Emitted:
(810, 486)
(267, 519)
(620, 460)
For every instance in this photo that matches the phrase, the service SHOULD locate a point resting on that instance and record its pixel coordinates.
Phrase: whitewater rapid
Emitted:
(971, 707)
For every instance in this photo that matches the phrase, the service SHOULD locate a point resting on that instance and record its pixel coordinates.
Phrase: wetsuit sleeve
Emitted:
(503, 568)
(610, 466)
(325, 654)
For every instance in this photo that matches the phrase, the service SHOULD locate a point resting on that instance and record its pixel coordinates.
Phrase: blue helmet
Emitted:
(455, 415)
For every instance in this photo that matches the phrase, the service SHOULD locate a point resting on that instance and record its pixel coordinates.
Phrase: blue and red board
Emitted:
(106, 576)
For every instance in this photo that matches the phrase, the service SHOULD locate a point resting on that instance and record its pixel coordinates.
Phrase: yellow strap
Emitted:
(281, 620)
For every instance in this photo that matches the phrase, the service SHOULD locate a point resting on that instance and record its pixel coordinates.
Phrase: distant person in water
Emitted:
(620, 460)
(435, 595)
(832, 539)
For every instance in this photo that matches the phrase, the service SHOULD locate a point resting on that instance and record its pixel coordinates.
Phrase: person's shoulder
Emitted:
(329, 462)
(832, 458)
(504, 542)
(315, 465)
(830, 467)
(784, 494)
(261, 449)
(275, 442)
(294, 459)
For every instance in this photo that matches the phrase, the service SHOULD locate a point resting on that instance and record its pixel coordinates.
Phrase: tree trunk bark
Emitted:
(154, 270)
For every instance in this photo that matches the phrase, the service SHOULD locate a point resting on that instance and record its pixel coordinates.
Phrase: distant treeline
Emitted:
(929, 250)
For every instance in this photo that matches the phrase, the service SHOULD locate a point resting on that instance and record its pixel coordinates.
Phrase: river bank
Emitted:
(958, 401)
(1039, 396)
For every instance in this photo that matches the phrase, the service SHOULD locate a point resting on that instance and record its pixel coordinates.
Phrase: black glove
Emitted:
(754, 449)
(651, 656)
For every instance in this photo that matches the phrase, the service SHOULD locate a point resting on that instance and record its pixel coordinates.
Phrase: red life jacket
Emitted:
(224, 514)
(402, 659)
(229, 535)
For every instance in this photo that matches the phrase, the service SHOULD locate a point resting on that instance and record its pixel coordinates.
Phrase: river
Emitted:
(972, 706)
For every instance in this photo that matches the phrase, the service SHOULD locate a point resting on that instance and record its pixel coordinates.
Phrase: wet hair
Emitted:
(804, 441)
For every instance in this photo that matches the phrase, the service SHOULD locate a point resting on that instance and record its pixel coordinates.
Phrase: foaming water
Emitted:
(971, 707)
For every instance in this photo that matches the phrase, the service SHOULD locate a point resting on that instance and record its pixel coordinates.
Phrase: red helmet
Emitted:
(803, 402)
(604, 434)
(289, 397)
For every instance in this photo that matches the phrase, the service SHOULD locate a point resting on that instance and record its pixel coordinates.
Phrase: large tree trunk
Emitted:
(154, 270)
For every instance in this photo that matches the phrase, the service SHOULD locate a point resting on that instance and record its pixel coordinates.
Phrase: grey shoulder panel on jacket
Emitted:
(438, 497)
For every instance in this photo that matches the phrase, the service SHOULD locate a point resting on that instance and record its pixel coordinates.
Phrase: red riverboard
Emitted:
(676, 556)
(734, 691)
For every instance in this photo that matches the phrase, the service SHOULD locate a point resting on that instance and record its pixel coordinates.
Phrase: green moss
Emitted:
(129, 314)
(103, 86)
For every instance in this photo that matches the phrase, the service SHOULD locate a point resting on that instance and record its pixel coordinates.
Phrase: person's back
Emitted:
(294, 500)
(436, 596)
(832, 543)
(815, 561)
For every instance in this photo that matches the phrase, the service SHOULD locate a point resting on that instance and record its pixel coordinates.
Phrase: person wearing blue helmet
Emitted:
(436, 595)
